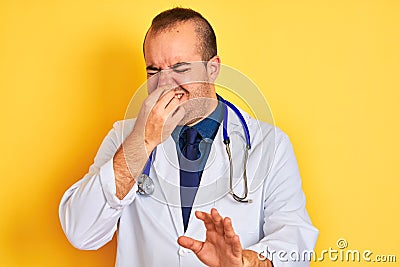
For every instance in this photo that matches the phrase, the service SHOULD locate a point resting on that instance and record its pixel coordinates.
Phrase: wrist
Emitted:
(138, 137)
(149, 147)
(247, 256)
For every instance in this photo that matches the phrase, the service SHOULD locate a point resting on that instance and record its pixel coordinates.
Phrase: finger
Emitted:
(166, 99)
(172, 104)
(218, 221)
(177, 116)
(172, 121)
(160, 91)
(228, 229)
(236, 246)
(206, 218)
(153, 98)
(190, 243)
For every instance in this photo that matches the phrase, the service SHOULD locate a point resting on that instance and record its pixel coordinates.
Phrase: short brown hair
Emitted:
(170, 18)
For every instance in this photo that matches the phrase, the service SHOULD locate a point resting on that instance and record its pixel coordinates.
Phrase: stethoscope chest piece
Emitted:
(145, 185)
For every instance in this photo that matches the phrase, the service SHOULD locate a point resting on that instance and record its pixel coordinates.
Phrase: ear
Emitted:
(213, 67)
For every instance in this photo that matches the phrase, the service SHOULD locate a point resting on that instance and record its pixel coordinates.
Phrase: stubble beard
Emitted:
(199, 106)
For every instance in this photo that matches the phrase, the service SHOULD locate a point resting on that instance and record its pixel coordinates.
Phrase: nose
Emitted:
(165, 78)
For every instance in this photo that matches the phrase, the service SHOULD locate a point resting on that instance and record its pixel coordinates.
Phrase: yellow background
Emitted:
(329, 69)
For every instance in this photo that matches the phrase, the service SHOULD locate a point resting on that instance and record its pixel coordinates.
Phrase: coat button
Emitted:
(183, 251)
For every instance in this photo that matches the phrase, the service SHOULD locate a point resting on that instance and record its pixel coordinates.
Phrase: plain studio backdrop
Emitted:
(329, 70)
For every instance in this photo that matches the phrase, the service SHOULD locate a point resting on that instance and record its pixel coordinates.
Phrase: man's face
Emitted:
(173, 59)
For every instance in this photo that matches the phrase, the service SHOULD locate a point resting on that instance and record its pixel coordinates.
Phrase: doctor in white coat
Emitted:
(268, 231)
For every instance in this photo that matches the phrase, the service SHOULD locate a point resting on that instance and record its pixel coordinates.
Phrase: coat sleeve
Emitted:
(289, 235)
(89, 210)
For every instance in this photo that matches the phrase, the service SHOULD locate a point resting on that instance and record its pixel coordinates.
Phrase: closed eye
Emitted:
(151, 73)
(181, 67)
(181, 70)
(151, 70)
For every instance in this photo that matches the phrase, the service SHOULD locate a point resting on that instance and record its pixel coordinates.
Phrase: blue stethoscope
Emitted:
(146, 185)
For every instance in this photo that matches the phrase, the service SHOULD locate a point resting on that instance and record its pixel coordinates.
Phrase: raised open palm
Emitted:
(222, 246)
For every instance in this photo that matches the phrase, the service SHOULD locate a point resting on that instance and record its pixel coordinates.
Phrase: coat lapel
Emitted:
(214, 183)
(166, 166)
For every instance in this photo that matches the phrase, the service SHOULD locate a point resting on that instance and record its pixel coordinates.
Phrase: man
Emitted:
(182, 223)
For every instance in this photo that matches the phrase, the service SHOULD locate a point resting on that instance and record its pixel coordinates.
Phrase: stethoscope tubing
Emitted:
(242, 121)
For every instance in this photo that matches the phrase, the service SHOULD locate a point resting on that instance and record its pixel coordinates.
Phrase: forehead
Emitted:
(179, 43)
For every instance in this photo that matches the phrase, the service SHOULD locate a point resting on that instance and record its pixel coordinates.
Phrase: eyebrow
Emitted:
(177, 65)
(180, 64)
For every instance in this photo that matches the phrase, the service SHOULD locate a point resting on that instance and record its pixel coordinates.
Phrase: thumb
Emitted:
(190, 243)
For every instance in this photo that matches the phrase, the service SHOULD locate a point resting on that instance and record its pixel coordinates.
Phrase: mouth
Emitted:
(180, 93)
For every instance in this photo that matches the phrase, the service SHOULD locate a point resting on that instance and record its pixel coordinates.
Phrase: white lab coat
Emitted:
(149, 226)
